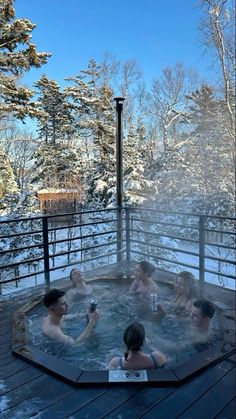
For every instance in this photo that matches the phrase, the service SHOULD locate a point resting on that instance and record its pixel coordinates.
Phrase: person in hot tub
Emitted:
(80, 286)
(186, 294)
(134, 358)
(143, 283)
(198, 335)
(55, 301)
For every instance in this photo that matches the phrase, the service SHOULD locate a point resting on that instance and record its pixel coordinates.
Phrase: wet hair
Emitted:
(134, 336)
(206, 307)
(52, 297)
(147, 267)
(71, 272)
(188, 282)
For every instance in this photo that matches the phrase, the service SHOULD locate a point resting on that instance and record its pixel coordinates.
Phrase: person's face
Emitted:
(197, 318)
(180, 286)
(138, 272)
(76, 277)
(61, 306)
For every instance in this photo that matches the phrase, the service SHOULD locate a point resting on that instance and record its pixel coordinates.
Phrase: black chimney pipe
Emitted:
(119, 172)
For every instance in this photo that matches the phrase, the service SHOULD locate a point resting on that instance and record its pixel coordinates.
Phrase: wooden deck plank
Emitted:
(214, 400)
(40, 401)
(72, 402)
(5, 347)
(7, 358)
(229, 412)
(110, 400)
(12, 368)
(19, 379)
(138, 405)
(28, 390)
(185, 395)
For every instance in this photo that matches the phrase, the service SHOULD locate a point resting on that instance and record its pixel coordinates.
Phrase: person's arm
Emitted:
(113, 364)
(133, 287)
(93, 317)
(159, 357)
(57, 334)
(74, 316)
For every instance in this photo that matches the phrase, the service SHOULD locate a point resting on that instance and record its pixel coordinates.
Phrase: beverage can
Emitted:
(93, 305)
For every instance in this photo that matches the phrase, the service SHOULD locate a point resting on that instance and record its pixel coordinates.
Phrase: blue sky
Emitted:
(157, 33)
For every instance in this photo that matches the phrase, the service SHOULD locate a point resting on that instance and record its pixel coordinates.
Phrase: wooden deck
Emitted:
(28, 392)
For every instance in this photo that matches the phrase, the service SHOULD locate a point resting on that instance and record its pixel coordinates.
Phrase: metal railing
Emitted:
(38, 246)
(202, 244)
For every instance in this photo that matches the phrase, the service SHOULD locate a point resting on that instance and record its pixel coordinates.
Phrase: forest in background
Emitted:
(178, 145)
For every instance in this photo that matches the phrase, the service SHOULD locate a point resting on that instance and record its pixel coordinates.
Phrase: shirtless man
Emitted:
(201, 314)
(55, 301)
(197, 332)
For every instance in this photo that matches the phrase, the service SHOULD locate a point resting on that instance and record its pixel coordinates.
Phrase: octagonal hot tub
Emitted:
(87, 364)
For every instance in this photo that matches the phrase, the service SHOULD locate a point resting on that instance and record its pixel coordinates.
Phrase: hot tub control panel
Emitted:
(127, 375)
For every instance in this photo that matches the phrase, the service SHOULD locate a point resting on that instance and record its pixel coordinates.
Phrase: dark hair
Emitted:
(52, 296)
(206, 307)
(147, 267)
(134, 336)
(188, 281)
(72, 270)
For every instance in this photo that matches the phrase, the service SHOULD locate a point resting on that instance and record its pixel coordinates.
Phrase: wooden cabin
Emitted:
(55, 201)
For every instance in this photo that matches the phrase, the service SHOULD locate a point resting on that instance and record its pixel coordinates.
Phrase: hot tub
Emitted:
(118, 308)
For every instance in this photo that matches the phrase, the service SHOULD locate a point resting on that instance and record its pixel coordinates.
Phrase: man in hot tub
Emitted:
(55, 301)
(198, 333)
(201, 314)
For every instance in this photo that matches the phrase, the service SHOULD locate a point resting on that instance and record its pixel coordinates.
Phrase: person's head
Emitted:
(55, 302)
(184, 284)
(144, 269)
(202, 313)
(76, 277)
(134, 337)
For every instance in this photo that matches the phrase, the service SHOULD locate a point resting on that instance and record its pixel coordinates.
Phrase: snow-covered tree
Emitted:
(95, 124)
(55, 122)
(8, 187)
(198, 172)
(217, 29)
(168, 103)
(57, 166)
(137, 157)
(17, 55)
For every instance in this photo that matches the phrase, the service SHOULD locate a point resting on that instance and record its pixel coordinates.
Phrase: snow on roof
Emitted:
(55, 191)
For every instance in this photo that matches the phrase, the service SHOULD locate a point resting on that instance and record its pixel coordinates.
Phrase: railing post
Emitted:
(46, 251)
(119, 174)
(127, 224)
(201, 253)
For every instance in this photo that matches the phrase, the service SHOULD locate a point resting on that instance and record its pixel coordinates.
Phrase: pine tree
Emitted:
(137, 157)
(8, 187)
(95, 124)
(17, 55)
(56, 121)
(57, 166)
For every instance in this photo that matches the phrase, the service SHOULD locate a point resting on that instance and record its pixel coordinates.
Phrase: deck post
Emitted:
(127, 225)
(119, 175)
(46, 251)
(201, 254)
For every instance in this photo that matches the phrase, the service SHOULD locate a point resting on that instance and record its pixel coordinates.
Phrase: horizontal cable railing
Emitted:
(35, 247)
(160, 235)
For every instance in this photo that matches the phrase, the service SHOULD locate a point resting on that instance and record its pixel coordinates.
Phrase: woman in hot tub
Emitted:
(80, 286)
(134, 358)
(143, 283)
